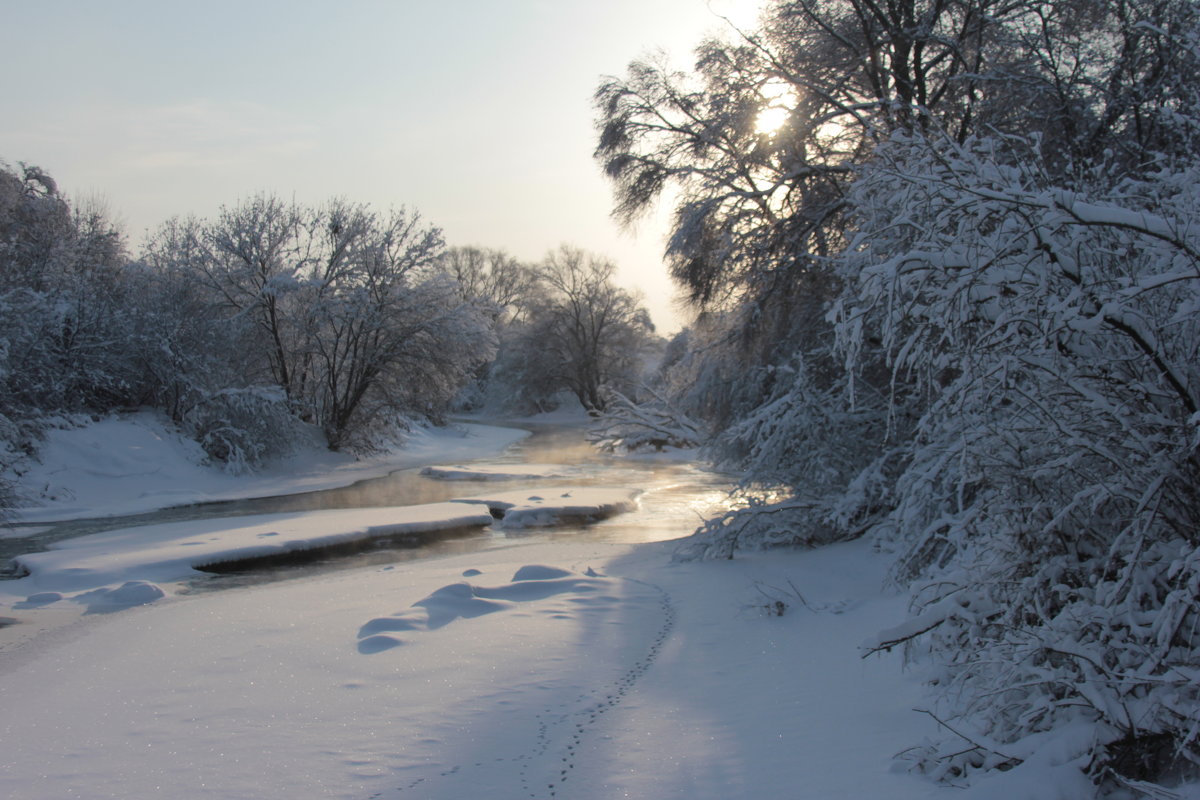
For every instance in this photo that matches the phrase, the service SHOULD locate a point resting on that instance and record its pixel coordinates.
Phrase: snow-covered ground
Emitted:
(129, 463)
(529, 669)
(579, 670)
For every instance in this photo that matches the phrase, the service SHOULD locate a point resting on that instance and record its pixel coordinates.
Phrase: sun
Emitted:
(779, 99)
(771, 119)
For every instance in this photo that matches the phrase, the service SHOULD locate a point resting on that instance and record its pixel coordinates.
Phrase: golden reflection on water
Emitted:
(677, 496)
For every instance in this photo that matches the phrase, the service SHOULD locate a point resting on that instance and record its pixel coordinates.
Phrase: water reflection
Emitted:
(676, 497)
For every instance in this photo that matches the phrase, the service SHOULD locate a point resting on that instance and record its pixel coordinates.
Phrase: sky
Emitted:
(477, 113)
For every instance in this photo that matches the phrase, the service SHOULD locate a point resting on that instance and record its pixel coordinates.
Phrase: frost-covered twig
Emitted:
(626, 425)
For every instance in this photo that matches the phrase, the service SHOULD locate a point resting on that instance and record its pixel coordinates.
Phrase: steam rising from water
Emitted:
(677, 497)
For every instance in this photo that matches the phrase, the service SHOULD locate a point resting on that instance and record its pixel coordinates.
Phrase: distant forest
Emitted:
(273, 318)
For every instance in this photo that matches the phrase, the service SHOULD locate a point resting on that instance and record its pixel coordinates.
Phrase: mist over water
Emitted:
(676, 497)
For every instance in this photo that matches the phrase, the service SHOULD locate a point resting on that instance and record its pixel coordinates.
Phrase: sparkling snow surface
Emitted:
(587, 671)
(540, 667)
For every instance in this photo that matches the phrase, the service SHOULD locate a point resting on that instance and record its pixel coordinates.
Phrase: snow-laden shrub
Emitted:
(387, 433)
(243, 428)
(654, 423)
(819, 464)
(1049, 512)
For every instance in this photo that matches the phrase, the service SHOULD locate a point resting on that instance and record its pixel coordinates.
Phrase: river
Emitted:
(676, 496)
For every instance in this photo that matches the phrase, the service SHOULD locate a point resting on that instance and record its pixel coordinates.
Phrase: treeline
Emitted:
(252, 329)
(947, 267)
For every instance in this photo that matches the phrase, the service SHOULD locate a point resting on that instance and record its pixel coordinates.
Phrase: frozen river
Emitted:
(577, 662)
(676, 494)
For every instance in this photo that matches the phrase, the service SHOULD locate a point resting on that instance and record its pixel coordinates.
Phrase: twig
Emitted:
(966, 738)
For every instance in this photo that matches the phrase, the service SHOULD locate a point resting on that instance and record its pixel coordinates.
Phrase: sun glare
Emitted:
(779, 99)
(771, 119)
(742, 14)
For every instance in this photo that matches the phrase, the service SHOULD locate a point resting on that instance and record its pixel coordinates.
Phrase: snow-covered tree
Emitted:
(1052, 488)
(64, 299)
(490, 276)
(964, 286)
(583, 333)
(503, 287)
(71, 311)
(760, 142)
(338, 308)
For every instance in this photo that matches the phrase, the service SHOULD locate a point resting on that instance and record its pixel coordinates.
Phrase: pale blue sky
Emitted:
(476, 113)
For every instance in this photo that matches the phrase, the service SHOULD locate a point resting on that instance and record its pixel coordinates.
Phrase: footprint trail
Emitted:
(618, 607)
(563, 736)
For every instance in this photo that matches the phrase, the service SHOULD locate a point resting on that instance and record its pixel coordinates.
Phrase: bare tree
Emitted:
(388, 333)
(251, 258)
(489, 276)
(341, 308)
(584, 332)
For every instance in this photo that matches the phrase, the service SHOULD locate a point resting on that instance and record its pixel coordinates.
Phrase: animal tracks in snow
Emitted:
(561, 736)
(624, 623)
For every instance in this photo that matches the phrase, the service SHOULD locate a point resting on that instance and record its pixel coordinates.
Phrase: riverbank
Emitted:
(132, 463)
(570, 663)
(602, 671)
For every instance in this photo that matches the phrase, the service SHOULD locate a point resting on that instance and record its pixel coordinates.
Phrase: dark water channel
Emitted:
(676, 495)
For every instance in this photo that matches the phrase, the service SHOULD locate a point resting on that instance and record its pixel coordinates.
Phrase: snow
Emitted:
(565, 667)
(496, 472)
(175, 551)
(530, 679)
(129, 463)
(550, 506)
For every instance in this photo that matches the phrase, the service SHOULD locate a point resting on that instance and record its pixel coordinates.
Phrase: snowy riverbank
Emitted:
(532, 668)
(130, 463)
(623, 675)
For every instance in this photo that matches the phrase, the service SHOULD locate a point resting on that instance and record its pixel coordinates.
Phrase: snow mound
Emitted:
(495, 472)
(127, 595)
(175, 551)
(39, 599)
(538, 572)
(464, 600)
(555, 506)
